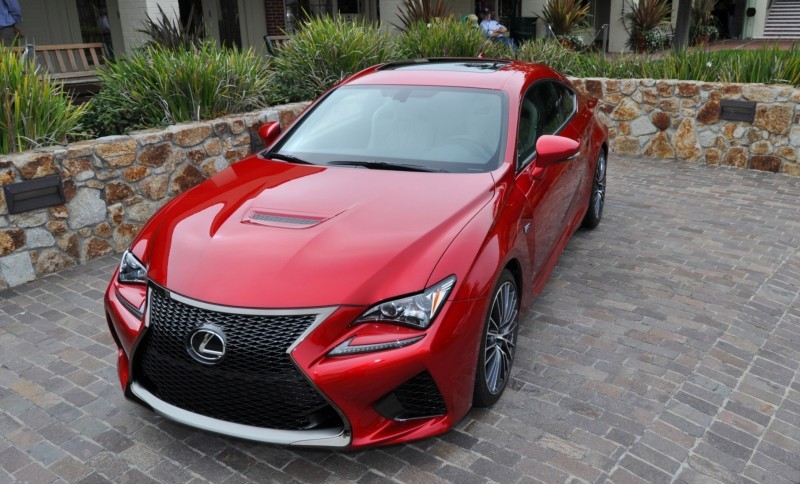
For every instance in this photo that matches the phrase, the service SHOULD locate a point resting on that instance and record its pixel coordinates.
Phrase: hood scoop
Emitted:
(283, 219)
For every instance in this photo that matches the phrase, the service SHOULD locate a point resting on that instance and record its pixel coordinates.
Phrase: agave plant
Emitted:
(412, 12)
(643, 17)
(566, 16)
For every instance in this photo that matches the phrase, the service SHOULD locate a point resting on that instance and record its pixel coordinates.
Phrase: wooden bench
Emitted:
(71, 64)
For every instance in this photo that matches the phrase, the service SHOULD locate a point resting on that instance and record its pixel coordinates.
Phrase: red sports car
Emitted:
(361, 281)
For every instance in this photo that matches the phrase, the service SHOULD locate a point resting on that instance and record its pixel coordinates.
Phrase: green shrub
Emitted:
(448, 38)
(325, 51)
(156, 86)
(35, 111)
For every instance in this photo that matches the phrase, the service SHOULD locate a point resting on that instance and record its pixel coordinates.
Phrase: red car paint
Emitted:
(377, 235)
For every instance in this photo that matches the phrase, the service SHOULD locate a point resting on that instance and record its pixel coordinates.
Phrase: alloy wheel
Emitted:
(501, 338)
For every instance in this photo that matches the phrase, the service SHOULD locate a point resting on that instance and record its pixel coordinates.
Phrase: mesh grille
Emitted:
(284, 220)
(419, 397)
(255, 384)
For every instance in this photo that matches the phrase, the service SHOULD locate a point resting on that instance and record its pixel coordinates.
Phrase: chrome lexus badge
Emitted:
(207, 344)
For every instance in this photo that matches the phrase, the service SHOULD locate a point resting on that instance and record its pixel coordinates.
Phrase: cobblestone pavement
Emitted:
(665, 348)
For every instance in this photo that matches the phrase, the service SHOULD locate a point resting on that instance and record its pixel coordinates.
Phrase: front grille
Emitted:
(419, 397)
(255, 384)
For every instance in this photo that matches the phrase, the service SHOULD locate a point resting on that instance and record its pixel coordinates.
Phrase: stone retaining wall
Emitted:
(679, 119)
(112, 186)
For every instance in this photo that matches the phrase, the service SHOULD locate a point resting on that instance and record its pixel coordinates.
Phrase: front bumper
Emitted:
(353, 385)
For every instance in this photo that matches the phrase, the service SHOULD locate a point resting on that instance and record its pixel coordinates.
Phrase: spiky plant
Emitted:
(171, 34)
(642, 17)
(566, 16)
(36, 111)
(156, 86)
(324, 51)
(448, 38)
(412, 12)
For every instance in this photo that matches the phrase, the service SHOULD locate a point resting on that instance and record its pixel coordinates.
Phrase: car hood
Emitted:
(279, 235)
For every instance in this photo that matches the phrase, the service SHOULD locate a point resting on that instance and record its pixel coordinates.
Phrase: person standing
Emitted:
(10, 16)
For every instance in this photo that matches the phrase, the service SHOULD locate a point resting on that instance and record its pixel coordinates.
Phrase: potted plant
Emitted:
(703, 29)
(643, 17)
(565, 17)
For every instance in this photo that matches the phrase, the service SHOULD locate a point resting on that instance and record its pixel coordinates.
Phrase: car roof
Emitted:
(455, 72)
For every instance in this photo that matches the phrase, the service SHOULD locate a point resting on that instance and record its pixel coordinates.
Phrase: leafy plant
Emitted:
(642, 17)
(566, 16)
(325, 51)
(36, 111)
(448, 38)
(156, 86)
(412, 12)
(171, 34)
(703, 12)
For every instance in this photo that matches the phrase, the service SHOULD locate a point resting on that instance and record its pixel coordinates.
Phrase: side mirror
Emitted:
(269, 133)
(553, 149)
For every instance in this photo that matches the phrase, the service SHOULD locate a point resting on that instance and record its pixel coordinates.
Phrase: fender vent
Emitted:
(263, 217)
(283, 220)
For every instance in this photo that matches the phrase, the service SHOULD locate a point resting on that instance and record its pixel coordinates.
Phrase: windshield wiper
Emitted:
(293, 159)
(385, 165)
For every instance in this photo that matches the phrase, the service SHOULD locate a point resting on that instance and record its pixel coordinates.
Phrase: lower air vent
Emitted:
(419, 397)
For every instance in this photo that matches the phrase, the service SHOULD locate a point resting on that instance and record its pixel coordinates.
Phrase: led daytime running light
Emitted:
(345, 348)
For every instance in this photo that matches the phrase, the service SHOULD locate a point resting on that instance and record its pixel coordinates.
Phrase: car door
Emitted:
(549, 190)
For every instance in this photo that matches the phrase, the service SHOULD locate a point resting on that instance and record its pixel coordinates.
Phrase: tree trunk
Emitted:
(682, 28)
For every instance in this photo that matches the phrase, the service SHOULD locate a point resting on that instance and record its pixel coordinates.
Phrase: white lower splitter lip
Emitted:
(335, 437)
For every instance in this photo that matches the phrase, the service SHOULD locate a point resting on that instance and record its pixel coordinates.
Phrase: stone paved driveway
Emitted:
(665, 348)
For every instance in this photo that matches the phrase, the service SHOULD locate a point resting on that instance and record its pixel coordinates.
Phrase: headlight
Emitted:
(131, 271)
(417, 311)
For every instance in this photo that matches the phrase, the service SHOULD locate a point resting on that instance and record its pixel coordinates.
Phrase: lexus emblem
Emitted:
(207, 344)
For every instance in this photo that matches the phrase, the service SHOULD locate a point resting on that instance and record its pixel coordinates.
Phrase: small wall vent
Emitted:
(32, 194)
(735, 110)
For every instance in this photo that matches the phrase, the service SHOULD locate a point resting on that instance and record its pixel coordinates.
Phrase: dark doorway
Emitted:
(191, 12)
(229, 33)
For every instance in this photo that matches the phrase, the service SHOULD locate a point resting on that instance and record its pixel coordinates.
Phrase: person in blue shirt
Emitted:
(10, 16)
(493, 29)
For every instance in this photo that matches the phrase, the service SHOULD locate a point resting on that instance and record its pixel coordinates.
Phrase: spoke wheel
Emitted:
(597, 198)
(499, 342)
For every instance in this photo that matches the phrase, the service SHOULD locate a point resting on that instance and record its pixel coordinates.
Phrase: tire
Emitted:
(597, 197)
(498, 342)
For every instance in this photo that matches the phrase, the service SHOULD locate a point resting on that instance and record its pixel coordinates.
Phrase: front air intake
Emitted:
(419, 397)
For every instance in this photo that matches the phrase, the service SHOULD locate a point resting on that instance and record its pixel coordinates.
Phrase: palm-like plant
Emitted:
(643, 17)
(565, 16)
(171, 34)
(412, 12)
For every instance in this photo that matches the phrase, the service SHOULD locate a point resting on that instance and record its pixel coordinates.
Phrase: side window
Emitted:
(545, 108)
(561, 104)
(528, 128)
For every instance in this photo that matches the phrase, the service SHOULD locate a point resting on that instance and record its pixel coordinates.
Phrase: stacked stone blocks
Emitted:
(681, 119)
(112, 186)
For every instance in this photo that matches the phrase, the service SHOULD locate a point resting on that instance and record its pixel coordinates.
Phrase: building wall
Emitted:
(50, 22)
(275, 16)
(133, 14)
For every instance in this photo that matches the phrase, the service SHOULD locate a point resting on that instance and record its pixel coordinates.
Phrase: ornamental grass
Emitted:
(157, 86)
(36, 111)
(325, 51)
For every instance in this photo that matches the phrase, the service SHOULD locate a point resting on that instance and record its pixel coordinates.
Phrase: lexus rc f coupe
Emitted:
(360, 281)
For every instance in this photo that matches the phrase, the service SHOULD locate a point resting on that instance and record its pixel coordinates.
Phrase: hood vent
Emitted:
(286, 220)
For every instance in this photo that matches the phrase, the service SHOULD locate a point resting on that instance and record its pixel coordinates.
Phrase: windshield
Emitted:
(431, 128)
